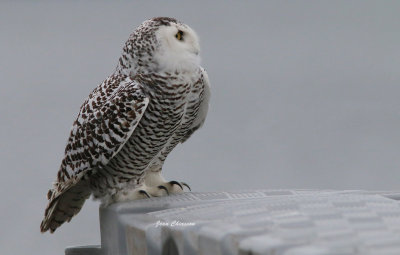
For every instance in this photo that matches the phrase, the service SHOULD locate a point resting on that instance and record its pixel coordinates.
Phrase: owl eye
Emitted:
(179, 35)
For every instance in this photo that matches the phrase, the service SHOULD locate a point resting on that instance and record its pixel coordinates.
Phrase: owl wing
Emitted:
(97, 135)
(203, 108)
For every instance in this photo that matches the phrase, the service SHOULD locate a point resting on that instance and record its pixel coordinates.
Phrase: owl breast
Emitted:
(174, 104)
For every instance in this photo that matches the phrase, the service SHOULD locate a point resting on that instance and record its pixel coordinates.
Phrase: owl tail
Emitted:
(63, 205)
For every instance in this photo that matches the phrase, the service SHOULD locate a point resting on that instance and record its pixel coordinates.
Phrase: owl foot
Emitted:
(145, 191)
(180, 184)
(127, 195)
(173, 187)
(158, 186)
(164, 189)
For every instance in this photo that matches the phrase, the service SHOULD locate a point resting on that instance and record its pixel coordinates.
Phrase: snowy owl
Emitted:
(156, 98)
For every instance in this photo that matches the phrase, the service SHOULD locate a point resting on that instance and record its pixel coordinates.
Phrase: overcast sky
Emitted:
(305, 94)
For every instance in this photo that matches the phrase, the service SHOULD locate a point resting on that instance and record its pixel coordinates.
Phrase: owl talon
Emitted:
(186, 185)
(176, 183)
(143, 192)
(164, 188)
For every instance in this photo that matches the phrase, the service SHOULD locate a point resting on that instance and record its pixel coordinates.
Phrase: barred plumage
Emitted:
(156, 98)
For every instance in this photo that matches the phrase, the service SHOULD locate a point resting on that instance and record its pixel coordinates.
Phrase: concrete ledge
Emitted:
(283, 222)
(84, 250)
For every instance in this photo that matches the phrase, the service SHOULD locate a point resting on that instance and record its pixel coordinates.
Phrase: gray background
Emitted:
(305, 95)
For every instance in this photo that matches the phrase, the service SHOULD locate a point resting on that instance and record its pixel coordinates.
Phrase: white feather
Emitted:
(174, 54)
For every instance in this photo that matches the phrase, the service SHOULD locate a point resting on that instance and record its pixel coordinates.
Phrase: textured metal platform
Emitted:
(287, 222)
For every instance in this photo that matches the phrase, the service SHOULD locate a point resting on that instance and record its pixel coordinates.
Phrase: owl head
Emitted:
(161, 44)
